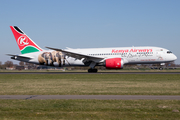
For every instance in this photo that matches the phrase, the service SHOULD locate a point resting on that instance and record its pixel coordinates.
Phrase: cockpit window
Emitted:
(169, 52)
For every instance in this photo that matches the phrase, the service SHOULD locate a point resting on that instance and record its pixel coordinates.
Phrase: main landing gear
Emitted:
(92, 70)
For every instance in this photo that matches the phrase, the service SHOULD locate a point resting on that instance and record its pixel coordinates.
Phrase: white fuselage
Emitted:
(130, 55)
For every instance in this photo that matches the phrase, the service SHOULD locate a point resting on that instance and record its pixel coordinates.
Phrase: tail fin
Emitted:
(26, 45)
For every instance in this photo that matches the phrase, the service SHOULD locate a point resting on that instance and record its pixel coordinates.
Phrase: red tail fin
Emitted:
(26, 45)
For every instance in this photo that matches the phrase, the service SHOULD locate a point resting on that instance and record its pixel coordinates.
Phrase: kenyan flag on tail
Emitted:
(26, 45)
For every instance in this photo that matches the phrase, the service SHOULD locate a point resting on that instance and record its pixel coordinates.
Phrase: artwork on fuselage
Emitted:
(48, 58)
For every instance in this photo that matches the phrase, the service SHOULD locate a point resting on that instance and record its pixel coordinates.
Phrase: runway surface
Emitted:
(89, 73)
(98, 97)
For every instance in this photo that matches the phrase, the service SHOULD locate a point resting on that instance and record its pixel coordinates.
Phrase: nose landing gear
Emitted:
(161, 68)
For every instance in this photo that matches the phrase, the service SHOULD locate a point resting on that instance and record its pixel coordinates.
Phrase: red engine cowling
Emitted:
(114, 63)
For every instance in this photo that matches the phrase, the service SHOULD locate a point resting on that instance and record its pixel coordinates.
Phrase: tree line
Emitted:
(10, 64)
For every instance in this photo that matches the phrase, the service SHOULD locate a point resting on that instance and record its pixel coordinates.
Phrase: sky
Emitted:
(91, 24)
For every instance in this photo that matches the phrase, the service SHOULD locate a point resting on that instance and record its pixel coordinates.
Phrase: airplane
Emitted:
(111, 58)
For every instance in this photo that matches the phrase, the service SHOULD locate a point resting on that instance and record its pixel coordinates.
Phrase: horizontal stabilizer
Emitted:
(18, 56)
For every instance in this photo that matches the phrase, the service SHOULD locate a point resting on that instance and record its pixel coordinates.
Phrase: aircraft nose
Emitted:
(174, 57)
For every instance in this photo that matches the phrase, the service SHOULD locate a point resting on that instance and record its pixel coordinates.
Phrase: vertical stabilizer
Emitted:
(26, 45)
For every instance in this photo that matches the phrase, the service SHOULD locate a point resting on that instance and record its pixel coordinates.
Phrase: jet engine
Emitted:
(114, 63)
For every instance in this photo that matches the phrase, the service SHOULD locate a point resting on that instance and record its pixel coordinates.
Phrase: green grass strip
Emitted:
(90, 84)
(90, 109)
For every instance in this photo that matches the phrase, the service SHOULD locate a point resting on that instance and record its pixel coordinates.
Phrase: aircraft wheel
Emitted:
(160, 68)
(92, 70)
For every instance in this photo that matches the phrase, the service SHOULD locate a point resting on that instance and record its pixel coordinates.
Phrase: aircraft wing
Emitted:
(77, 55)
(18, 56)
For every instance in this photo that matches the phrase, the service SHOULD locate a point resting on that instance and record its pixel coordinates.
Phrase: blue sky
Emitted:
(91, 24)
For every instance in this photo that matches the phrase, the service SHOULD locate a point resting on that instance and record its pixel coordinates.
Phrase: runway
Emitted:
(97, 97)
(89, 73)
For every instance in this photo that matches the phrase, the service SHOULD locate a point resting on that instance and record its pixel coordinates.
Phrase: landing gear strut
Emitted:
(161, 68)
(92, 70)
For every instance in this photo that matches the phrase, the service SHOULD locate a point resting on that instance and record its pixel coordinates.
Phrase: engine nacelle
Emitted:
(114, 63)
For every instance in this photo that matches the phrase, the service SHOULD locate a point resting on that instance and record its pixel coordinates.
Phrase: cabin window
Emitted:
(168, 52)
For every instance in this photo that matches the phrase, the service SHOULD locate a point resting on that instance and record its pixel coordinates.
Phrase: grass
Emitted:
(90, 84)
(90, 109)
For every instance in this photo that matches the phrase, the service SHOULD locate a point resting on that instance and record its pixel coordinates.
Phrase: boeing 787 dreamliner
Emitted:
(111, 58)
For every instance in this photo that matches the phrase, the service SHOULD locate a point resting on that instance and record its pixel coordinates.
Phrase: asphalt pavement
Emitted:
(89, 73)
(98, 97)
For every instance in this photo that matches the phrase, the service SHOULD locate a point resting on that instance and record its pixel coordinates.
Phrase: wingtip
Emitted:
(48, 47)
(53, 48)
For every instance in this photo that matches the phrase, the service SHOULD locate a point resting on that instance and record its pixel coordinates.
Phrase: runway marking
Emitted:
(98, 97)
